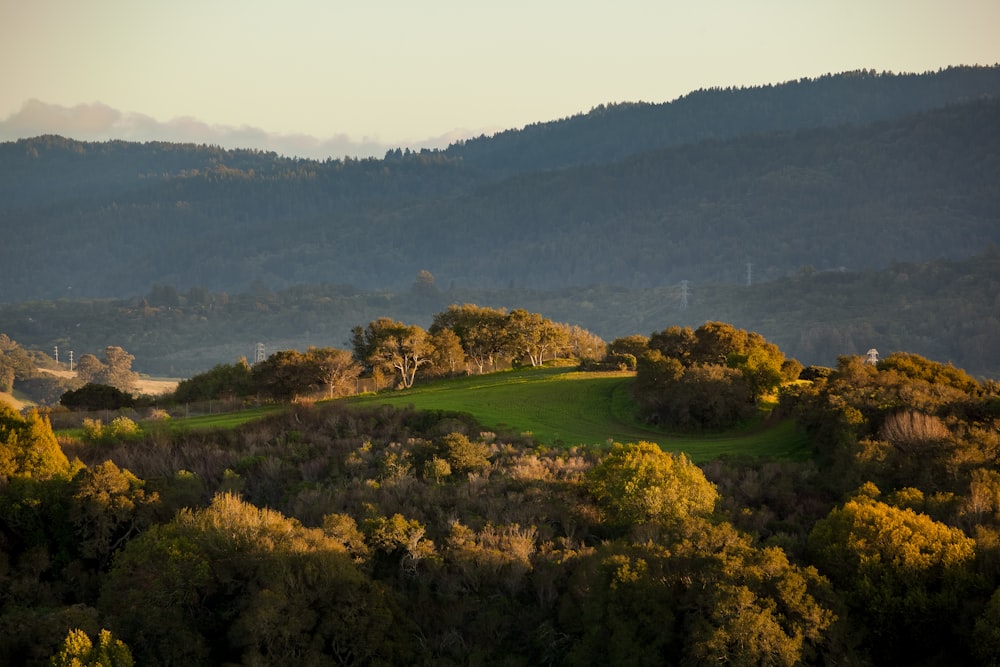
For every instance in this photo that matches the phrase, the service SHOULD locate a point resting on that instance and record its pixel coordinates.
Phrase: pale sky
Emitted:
(330, 78)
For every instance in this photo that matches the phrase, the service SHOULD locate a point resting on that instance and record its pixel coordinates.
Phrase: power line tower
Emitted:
(684, 295)
(259, 353)
(749, 275)
(872, 357)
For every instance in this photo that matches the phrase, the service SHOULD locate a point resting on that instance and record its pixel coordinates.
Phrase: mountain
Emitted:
(852, 170)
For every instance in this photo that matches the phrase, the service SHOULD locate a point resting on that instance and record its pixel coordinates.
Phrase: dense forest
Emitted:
(332, 533)
(852, 170)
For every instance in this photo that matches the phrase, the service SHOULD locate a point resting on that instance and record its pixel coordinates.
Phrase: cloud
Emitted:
(99, 122)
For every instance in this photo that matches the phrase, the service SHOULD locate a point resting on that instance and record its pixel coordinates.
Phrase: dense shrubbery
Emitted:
(707, 378)
(379, 535)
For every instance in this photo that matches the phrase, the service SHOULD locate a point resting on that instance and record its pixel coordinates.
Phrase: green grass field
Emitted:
(223, 419)
(562, 407)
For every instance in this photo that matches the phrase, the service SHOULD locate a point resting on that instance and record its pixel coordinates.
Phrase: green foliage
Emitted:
(640, 483)
(110, 506)
(462, 455)
(28, 447)
(701, 595)
(15, 364)
(120, 429)
(709, 378)
(115, 369)
(234, 583)
(393, 347)
(78, 650)
(95, 396)
(223, 380)
(900, 571)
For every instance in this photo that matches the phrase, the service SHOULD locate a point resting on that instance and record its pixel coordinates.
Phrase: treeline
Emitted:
(387, 353)
(329, 535)
(613, 132)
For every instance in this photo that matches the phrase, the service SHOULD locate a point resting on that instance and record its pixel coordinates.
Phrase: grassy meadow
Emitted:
(561, 406)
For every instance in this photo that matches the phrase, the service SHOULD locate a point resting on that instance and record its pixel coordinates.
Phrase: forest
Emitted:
(853, 170)
(334, 532)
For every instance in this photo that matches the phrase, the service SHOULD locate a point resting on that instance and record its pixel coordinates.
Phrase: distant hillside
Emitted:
(824, 173)
(945, 310)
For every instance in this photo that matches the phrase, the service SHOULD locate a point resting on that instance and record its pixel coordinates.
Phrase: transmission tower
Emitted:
(71, 361)
(684, 295)
(872, 357)
(258, 353)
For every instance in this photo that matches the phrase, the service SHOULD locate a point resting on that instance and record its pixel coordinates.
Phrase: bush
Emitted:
(93, 396)
(120, 429)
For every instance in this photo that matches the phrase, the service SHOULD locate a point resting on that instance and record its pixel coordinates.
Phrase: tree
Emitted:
(336, 370)
(901, 573)
(700, 594)
(423, 286)
(28, 447)
(93, 396)
(462, 454)
(15, 364)
(235, 584)
(285, 375)
(115, 369)
(482, 332)
(447, 355)
(78, 650)
(674, 343)
(640, 483)
(391, 345)
(636, 345)
(582, 344)
(715, 341)
(89, 369)
(110, 506)
(533, 336)
(221, 382)
(118, 369)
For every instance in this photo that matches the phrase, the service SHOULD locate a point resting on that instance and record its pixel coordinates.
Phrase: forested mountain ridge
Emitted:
(50, 168)
(615, 131)
(911, 189)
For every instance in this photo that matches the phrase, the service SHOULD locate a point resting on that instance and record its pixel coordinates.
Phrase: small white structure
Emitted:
(872, 357)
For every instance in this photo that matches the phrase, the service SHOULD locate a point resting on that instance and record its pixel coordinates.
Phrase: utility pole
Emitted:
(259, 353)
(55, 351)
(71, 361)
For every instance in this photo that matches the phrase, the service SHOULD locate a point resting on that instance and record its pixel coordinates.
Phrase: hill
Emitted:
(850, 170)
(563, 407)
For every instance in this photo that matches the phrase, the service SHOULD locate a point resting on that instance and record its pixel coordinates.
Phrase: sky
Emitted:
(329, 78)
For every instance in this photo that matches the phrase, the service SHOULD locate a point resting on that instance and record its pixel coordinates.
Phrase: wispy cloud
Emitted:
(99, 122)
